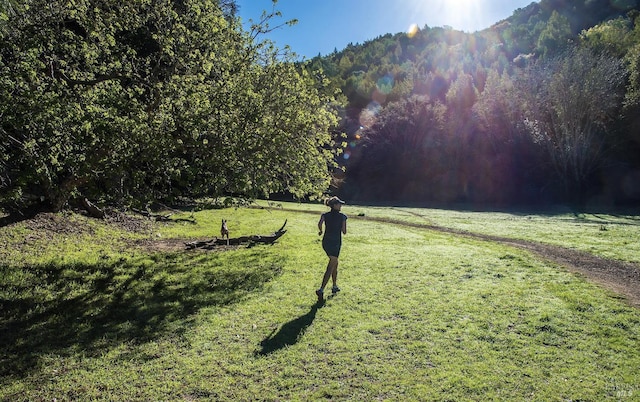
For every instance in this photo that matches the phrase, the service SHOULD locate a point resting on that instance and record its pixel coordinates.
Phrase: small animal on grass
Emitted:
(224, 230)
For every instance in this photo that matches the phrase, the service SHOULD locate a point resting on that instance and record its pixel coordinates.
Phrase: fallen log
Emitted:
(93, 210)
(236, 241)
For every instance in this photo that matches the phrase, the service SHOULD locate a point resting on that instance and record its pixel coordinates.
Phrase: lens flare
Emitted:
(369, 115)
(413, 30)
(385, 84)
(631, 184)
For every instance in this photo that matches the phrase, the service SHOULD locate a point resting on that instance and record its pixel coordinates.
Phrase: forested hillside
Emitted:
(541, 107)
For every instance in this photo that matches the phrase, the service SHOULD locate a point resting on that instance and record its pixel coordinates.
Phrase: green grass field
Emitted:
(91, 313)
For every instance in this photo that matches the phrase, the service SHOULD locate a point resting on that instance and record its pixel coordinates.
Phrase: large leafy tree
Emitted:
(620, 37)
(570, 102)
(138, 100)
(502, 148)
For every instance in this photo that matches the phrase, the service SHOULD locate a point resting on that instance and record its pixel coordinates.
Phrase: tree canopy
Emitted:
(138, 101)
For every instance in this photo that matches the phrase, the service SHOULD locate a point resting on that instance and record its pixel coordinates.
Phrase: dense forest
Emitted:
(126, 103)
(539, 108)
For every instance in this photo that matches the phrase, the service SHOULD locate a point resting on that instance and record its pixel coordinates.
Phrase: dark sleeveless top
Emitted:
(333, 226)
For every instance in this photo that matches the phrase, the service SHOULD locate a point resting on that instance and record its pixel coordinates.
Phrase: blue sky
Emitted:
(325, 25)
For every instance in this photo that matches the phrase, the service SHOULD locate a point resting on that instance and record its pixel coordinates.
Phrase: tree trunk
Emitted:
(57, 195)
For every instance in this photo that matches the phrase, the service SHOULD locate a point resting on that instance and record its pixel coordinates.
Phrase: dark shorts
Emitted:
(332, 248)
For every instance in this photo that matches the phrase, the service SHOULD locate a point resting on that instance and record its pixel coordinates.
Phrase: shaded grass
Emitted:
(422, 316)
(69, 308)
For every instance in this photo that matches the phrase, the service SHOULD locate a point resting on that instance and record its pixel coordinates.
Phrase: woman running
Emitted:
(335, 225)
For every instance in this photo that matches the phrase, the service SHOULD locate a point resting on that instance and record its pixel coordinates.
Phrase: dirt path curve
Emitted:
(620, 277)
(617, 276)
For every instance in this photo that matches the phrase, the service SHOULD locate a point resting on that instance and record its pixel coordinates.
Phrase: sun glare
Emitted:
(413, 30)
(464, 15)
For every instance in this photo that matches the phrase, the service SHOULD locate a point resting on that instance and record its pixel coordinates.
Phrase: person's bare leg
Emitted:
(334, 275)
(332, 266)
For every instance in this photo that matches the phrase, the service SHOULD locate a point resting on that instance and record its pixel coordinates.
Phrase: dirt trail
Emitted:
(620, 277)
(617, 276)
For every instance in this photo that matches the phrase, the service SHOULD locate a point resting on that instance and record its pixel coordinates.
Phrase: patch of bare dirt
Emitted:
(161, 245)
(56, 224)
(61, 223)
(128, 222)
(46, 226)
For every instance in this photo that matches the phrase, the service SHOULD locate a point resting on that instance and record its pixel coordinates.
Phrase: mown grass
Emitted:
(608, 235)
(423, 315)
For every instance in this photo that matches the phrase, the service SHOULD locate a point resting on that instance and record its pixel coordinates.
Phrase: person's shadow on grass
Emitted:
(289, 334)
